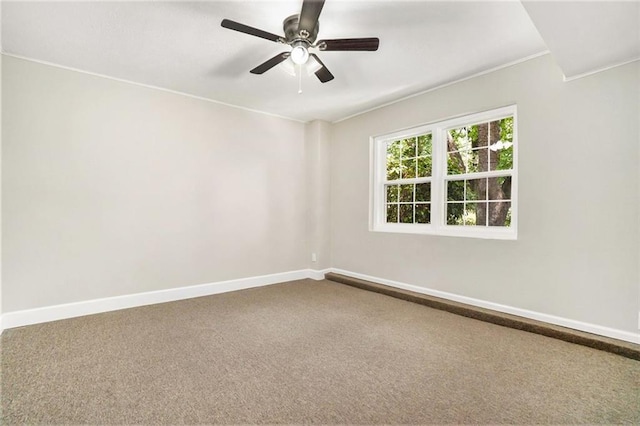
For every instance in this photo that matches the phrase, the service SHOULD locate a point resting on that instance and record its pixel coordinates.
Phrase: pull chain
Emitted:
(300, 79)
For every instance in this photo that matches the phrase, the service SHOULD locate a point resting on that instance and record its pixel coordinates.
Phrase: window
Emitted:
(455, 177)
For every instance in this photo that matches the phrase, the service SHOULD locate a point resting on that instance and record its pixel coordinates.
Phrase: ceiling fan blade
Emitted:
(236, 26)
(309, 15)
(266, 66)
(323, 73)
(369, 44)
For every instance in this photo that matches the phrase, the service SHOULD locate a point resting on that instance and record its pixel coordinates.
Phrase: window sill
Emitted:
(449, 231)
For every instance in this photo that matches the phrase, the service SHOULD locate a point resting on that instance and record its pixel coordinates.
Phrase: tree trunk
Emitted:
(483, 165)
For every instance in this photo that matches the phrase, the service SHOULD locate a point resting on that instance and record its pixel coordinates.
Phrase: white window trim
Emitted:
(378, 172)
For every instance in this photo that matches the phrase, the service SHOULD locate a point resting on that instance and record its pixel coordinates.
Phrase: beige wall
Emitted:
(577, 252)
(111, 189)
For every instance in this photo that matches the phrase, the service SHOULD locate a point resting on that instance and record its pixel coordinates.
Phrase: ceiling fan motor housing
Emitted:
(291, 33)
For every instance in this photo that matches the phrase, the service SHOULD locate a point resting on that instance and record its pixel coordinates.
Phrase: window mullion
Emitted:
(437, 183)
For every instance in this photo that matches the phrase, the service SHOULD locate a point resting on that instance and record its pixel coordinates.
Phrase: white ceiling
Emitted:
(588, 36)
(182, 47)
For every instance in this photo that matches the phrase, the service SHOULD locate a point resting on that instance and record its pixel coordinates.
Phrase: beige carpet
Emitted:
(305, 352)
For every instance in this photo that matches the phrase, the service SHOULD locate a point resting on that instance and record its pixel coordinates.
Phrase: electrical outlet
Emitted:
(313, 257)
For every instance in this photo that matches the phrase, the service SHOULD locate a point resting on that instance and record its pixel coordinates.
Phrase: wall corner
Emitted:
(317, 153)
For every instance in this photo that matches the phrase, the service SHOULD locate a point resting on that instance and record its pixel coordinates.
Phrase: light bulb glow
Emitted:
(299, 54)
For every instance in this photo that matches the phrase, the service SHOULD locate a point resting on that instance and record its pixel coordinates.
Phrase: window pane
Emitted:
(423, 191)
(501, 156)
(424, 144)
(473, 133)
(406, 213)
(392, 213)
(408, 169)
(501, 151)
(506, 129)
(500, 188)
(409, 148)
(424, 167)
(475, 160)
(454, 213)
(500, 213)
(455, 190)
(392, 193)
(394, 149)
(393, 160)
(455, 165)
(406, 193)
(456, 139)
(476, 189)
(462, 138)
(393, 171)
(475, 214)
(423, 213)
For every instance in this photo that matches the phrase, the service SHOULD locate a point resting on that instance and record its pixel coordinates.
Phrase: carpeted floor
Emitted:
(305, 352)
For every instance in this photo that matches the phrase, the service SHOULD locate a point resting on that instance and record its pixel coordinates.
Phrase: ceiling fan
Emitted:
(301, 32)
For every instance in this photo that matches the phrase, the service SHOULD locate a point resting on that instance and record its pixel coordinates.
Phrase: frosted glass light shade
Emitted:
(299, 54)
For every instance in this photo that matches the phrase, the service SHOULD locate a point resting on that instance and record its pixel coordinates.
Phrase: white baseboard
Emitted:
(318, 274)
(96, 306)
(551, 319)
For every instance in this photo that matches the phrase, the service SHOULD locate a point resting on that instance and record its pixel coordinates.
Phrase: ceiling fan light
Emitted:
(299, 54)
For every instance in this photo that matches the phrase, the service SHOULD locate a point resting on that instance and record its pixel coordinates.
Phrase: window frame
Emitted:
(439, 179)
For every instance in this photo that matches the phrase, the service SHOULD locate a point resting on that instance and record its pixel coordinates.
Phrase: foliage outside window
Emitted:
(455, 177)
